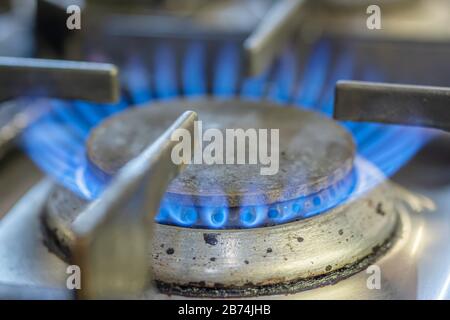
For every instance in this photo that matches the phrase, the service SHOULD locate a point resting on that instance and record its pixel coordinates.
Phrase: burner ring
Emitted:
(315, 152)
(302, 255)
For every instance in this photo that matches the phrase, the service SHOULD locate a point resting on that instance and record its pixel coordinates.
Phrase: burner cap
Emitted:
(315, 152)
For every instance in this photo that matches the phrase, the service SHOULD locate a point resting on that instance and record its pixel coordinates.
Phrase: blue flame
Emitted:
(56, 142)
(253, 88)
(227, 75)
(248, 216)
(165, 72)
(215, 218)
(284, 81)
(314, 76)
(194, 71)
(138, 81)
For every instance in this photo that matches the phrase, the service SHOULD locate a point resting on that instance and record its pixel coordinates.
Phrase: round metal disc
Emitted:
(315, 152)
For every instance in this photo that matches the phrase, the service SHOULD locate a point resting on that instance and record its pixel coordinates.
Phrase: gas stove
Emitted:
(359, 207)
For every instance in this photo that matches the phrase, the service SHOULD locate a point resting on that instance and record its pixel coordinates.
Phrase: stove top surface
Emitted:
(226, 231)
(421, 249)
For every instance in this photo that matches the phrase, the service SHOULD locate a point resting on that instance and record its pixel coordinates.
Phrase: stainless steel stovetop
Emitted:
(51, 218)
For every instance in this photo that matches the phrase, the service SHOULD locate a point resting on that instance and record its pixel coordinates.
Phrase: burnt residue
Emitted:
(269, 250)
(341, 232)
(170, 251)
(328, 268)
(379, 209)
(53, 242)
(300, 239)
(211, 238)
(212, 259)
(253, 290)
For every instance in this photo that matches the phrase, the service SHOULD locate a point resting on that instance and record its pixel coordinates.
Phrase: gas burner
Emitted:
(304, 254)
(317, 172)
(114, 204)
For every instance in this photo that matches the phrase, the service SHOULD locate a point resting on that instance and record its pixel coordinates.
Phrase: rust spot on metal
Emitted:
(379, 210)
(210, 238)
